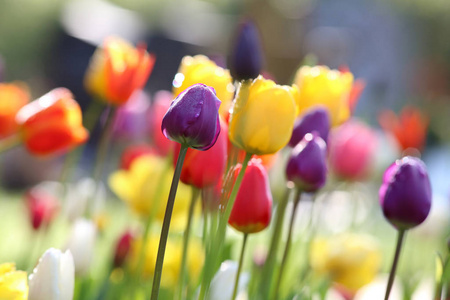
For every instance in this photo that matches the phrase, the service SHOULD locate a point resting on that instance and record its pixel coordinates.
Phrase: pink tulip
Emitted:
(351, 150)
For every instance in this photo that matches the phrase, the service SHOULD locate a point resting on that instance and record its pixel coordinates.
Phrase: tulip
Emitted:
(222, 283)
(42, 207)
(193, 119)
(54, 276)
(200, 69)
(205, 168)
(145, 188)
(131, 118)
(81, 244)
(253, 206)
(405, 195)
(313, 120)
(246, 57)
(307, 166)
(13, 284)
(52, 123)
(351, 260)
(13, 96)
(117, 70)
(409, 128)
(132, 152)
(352, 149)
(319, 85)
(263, 123)
(123, 247)
(160, 106)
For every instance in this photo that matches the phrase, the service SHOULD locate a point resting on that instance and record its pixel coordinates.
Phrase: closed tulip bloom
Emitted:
(246, 56)
(52, 123)
(117, 69)
(307, 166)
(54, 277)
(223, 282)
(81, 244)
(13, 96)
(42, 207)
(405, 194)
(205, 168)
(352, 148)
(123, 248)
(13, 284)
(200, 69)
(159, 107)
(319, 85)
(253, 206)
(263, 124)
(193, 118)
(312, 120)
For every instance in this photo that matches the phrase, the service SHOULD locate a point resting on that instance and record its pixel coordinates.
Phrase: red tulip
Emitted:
(409, 128)
(253, 206)
(123, 247)
(205, 168)
(52, 123)
(42, 207)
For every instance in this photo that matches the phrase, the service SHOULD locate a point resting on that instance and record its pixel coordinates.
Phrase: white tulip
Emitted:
(82, 243)
(377, 288)
(53, 278)
(222, 284)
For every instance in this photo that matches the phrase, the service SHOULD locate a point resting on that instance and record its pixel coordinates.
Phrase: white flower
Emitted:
(377, 288)
(80, 194)
(81, 243)
(53, 278)
(222, 284)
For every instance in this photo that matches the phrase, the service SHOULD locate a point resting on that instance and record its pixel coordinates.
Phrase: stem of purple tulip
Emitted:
(186, 236)
(238, 273)
(288, 245)
(400, 237)
(166, 223)
(215, 250)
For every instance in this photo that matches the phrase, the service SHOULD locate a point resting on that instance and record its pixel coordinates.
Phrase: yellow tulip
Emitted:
(13, 284)
(172, 260)
(200, 69)
(262, 117)
(351, 260)
(319, 85)
(145, 188)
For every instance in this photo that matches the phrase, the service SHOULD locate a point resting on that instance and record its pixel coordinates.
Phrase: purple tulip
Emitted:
(306, 166)
(193, 118)
(246, 57)
(316, 120)
(405, 195)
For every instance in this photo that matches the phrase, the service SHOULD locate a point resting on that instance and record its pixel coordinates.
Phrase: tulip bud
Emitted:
(246, 56)
(123, 248)
(316, 120)
(307, 166)
(405, 194)
(52, 123)
(54, 277)
(81, 244)
(133, 152)
(253, 206)
(205, 168)
(193, 119)
(131, 118)
(42, 206)
(223, 282)
(160, 105)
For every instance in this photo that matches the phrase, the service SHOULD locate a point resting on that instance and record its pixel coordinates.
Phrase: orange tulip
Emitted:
(117, 70)
(409, 128)
(12, 97)
(52, 123)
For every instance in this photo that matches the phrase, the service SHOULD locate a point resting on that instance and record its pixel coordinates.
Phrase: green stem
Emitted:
(267, 271)
(400, 237)
(214, 254)
(92, 114)
(9, 142)
(166, 223)
(287, 246)
(186, 236)
(241, 260)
